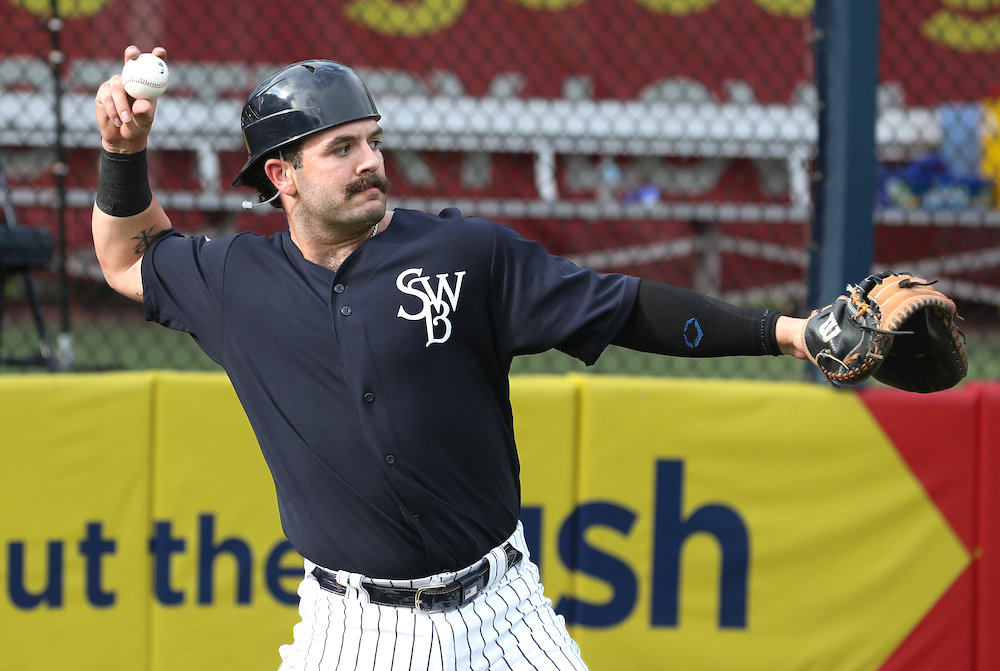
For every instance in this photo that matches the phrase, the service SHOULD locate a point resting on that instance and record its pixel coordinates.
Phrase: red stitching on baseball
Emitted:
(147, 82)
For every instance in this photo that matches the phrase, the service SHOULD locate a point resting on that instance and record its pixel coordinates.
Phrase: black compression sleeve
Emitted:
(671, 320)
(123, 190)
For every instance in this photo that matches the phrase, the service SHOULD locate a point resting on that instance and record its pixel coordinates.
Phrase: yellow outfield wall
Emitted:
(724, 526)
(74, 506)
(677, 524)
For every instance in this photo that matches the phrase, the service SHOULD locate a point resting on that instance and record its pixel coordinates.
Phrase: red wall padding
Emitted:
(938, 437)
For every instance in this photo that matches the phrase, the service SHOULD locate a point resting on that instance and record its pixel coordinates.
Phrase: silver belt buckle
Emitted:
(417, 603)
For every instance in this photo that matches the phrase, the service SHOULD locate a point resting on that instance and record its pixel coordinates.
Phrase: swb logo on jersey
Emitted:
(436, 309)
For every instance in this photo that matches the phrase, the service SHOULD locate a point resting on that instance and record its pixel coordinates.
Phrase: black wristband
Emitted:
(769, 332)
(123, 190)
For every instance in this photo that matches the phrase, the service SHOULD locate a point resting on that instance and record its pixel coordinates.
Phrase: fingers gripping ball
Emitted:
(845, 339)
(145, 76)
(928, 352)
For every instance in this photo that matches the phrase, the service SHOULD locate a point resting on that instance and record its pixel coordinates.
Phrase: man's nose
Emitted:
(369, 159)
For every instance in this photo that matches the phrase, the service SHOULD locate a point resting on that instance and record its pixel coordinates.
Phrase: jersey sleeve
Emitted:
(182, 283)
(545, 302)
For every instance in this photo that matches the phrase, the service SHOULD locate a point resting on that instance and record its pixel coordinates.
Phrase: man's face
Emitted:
(342, 180)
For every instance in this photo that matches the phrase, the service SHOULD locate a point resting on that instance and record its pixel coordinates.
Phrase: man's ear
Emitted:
(277, 171)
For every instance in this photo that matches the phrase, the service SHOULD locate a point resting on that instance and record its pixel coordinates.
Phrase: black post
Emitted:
(64, 350)
(844, 188)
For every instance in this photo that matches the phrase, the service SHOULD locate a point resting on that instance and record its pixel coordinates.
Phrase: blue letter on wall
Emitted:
(53, 591)
(577, 555)
(274, 571)
(163, 545)
(208, 551)
(670, 532)
(93, 547)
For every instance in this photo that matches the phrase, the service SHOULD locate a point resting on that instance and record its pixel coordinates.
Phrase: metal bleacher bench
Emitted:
(206, 125)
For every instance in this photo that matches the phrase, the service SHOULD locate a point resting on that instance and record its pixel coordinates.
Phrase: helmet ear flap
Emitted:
(299, 100)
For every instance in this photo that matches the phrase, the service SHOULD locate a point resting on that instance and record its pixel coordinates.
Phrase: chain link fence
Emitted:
(938, 145)
(668, 139)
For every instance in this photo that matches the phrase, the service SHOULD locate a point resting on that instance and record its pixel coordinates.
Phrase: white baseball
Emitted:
(145, 76)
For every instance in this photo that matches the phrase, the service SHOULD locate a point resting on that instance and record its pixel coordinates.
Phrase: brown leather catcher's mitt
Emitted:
(927, 352)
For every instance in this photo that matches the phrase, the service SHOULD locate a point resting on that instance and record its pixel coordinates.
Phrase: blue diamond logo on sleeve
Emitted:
(692, 333)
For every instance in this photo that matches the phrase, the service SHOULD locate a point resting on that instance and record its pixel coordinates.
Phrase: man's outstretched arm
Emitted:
(126, 216)
(680, 322)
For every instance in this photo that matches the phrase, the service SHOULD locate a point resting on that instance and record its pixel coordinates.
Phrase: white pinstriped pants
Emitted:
(510, 625)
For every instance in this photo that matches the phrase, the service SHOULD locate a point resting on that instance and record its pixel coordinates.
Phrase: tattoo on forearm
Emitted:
(144, 239)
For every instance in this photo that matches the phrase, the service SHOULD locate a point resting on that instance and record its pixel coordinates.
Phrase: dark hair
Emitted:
(258, 179)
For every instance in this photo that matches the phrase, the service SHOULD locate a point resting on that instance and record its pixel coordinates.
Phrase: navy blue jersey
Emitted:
(379, 393)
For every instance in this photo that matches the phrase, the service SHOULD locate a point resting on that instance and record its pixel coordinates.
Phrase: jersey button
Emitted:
(346, 310)
(339, 288)
(369, 397)
(390, 459)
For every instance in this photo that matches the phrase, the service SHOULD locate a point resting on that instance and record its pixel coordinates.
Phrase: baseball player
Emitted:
(370, 349)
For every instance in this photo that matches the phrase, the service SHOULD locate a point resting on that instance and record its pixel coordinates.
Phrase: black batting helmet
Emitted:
(299, 100)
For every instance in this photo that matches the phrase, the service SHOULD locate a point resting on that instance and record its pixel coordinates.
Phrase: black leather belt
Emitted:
(434, 599)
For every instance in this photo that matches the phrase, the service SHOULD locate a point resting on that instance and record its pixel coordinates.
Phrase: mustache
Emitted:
(369, 181)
